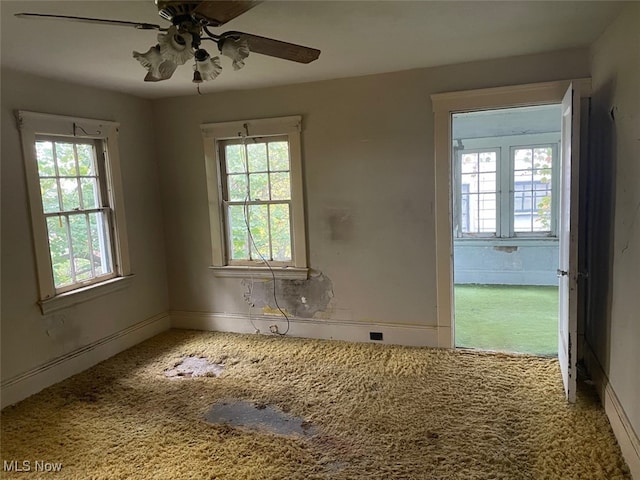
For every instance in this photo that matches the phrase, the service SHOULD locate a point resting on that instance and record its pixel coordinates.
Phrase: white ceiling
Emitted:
(356, 38)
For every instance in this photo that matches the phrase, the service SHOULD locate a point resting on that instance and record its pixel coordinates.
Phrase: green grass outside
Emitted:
(509, 318)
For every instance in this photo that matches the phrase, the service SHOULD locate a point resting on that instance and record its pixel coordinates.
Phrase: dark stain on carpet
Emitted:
(258, 416)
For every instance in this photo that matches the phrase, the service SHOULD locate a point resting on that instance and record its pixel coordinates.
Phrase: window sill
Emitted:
(74, 297)
(515, 241)
(284, 273)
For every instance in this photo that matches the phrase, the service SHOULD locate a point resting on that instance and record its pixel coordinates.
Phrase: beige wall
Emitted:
(369, 177)
(30, 339)
(613, 328)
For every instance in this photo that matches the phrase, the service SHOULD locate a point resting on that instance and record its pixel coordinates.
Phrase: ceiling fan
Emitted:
(190, 26)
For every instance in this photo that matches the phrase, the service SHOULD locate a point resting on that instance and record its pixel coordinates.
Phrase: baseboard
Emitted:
(620, 424)
(396, 334)
(32, 381)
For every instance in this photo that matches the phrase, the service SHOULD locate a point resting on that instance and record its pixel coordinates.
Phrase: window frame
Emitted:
(457, 223)
(215, 133)
(505, 228)
(224, 174)
(555, 190)
(34, 126)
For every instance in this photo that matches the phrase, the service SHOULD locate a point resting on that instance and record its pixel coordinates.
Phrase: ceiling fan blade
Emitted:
(275, 48)
(219, 12)
(99, 21)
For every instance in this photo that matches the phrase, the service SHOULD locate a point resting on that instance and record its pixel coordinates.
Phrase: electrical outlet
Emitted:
(273, 328)
(375, 335)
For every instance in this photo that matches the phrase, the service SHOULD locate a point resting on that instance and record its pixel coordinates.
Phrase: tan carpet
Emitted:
(379, 412)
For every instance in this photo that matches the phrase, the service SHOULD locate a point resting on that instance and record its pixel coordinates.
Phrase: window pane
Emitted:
(487, 161)
(234, 156)
(542, 176)
(237, 185)
(238, 232)
(100, 255)
(59, 250)
(478, 192)
(532, 189)
(82, 260)
(66, 159)
(542, 218)
(487, 182)
(280, 232)
(257, 156)
(70, 194)
(542, 157)
(480, 214)
(464, 213)
(278, 156)
(259, 183)
(469, 162)
(49, 193)
(259, 222)
(44, 155)
(89, 192)
(487, 213)
(523, 159)
(86, 164)
(280, 187)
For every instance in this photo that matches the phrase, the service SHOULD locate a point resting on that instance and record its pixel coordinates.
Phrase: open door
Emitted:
(568, 230)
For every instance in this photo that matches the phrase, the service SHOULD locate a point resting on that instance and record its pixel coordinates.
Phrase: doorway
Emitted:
(569, 95)
(505, 214)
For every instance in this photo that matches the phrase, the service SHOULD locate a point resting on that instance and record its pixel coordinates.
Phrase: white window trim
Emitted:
(214, 132)
(84, 294)
(444, 105)
(32, 124)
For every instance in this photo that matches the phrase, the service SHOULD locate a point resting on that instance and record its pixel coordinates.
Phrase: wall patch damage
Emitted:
(299, 298)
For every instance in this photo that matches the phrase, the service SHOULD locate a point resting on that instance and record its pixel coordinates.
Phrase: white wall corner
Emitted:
(622, 429)
(19, 387)
(351, 331)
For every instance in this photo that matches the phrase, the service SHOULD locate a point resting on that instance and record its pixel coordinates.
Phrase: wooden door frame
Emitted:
(444, 106)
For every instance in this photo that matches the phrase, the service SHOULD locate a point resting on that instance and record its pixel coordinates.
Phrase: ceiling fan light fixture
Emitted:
(236, 49)
(208, 68)
(175, 46)
(157, 67)
(181, 41)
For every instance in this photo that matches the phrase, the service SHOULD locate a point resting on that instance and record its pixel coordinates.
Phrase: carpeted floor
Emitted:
(376, 412)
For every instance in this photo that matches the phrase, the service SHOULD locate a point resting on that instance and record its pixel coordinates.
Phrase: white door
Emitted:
(568, 228)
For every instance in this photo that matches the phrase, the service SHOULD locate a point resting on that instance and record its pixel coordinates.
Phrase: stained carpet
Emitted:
(376, 412)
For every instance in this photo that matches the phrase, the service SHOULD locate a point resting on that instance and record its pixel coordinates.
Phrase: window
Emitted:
(74, 191)
(520, 185)
(478, 191)
(255, 197)
(532, 188)
(76, 210)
